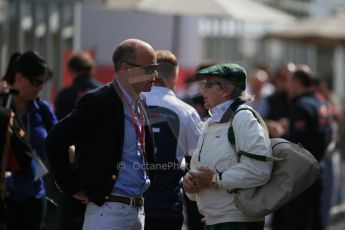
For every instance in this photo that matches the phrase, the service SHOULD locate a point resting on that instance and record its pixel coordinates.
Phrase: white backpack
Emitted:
(294, 170)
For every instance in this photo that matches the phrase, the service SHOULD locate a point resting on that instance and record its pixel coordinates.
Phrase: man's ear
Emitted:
(124, 72)
(123, 66)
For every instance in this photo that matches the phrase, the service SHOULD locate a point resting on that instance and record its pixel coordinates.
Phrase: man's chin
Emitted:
(148, 87)
(146, 90)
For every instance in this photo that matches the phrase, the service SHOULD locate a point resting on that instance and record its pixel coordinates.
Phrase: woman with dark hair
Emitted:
(26, 201)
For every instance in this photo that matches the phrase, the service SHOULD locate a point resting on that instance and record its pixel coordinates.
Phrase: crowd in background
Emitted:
(38, 203)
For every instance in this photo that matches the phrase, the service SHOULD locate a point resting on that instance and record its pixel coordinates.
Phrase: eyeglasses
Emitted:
(207, 84)
(35, 82)
(149, 69)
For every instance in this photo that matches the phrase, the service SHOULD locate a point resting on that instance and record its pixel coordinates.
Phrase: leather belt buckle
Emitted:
(138, 202)
(132, 201)
(141, 201)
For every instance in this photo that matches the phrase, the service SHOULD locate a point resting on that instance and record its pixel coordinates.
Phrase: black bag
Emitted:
(20, 151)
(5, 117)
(20, 148)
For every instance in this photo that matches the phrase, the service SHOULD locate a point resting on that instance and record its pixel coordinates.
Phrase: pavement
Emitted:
(337, 217)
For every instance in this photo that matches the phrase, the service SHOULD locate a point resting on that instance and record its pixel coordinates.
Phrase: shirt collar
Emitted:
(218, 111)
(124, 92)
(162, 90)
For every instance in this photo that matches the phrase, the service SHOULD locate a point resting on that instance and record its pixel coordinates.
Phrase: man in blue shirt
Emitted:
(113, 143)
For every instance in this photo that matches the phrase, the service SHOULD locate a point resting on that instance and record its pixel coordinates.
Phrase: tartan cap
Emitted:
(234, 73)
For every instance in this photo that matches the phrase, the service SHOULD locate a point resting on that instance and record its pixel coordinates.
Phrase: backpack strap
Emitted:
(231, 134)
(260, 157)
(232, 140)
(253, 156)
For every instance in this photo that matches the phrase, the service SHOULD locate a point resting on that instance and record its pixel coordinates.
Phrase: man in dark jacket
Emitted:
(113, 143)
(70, 212)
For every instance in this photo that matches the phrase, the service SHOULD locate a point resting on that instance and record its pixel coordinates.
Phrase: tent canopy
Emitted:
(321, 30)
(242, 10)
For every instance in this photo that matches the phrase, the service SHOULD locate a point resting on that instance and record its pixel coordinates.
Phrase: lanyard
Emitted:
(138, 121)
(138, 126)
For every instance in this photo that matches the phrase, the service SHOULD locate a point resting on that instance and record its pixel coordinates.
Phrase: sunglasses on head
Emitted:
(149, 69)
(207, 84)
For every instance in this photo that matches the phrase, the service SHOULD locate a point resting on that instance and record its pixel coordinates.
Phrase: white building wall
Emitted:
(190, 48)
(103, 29)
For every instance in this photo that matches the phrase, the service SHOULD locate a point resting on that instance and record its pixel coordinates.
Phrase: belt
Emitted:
(136, 202)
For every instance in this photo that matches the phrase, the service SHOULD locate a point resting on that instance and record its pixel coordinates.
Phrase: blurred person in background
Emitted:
(261, 88)
(70, 212)
(277, 121)
(194, 97)
(309, 125)
(176, 127)
(81, 66)
(278, 104)
(324, 95)
(26, 200)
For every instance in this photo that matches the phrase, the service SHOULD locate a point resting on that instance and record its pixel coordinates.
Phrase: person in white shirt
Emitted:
(176, 127)
(217, 171)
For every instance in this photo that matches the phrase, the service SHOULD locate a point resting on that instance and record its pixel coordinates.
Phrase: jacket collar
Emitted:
(218, 111)
(231, 109)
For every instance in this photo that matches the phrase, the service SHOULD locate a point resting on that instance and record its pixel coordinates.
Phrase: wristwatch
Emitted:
(214, 182)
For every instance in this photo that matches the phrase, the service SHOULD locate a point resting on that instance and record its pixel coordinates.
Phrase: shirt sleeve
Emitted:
(250, 137)
(192, 130)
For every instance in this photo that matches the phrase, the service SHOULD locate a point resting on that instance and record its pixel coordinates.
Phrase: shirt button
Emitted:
(113, 177)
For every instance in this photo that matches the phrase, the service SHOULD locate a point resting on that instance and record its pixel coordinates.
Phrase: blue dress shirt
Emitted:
(132, 180)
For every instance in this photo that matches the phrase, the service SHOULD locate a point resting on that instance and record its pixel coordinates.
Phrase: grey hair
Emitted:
(236, 92)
